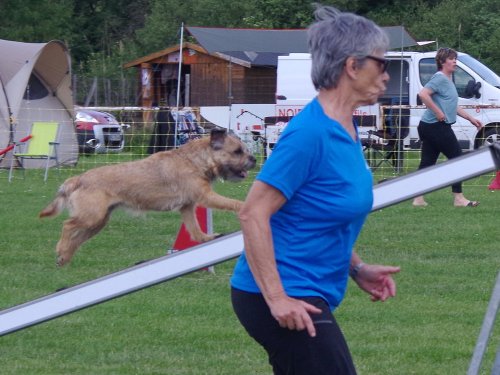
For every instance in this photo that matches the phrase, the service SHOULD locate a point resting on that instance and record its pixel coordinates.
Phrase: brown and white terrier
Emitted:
(179, 179)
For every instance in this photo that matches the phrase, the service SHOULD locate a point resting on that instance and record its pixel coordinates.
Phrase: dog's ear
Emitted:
(217, 137)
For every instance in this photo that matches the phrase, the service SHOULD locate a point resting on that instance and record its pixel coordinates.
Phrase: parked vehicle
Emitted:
(98, 132)
(478, 89)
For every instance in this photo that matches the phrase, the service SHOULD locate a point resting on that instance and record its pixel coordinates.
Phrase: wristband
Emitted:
(355, 270)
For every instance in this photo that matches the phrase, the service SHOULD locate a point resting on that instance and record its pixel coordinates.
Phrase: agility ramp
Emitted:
(230, 246)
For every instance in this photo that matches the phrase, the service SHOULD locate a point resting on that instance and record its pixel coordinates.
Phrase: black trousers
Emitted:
(438, 138)
(295, 352)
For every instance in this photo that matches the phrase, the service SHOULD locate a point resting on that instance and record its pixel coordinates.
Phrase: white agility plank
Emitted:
(227, 247)
(120, 283)
(465, 167)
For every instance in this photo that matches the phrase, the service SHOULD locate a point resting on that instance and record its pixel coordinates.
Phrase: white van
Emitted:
(478, 89)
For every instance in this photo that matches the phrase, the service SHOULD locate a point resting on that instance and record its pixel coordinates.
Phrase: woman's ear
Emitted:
(352, 67)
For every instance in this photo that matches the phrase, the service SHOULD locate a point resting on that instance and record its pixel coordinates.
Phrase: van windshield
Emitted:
(486, 73)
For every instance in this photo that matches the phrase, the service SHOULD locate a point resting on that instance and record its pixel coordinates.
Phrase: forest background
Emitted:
(102, 35)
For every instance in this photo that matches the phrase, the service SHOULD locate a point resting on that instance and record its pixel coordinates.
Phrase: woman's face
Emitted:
(449, 65)
(373, 78)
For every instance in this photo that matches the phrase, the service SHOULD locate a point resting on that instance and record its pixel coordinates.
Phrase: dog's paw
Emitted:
(217, 235)
(206, 237)
(60, 261)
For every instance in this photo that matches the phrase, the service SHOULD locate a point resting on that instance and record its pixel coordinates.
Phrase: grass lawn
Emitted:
(449, 258)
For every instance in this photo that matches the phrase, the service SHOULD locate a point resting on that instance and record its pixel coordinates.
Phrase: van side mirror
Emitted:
(472, 89)
(477, 86)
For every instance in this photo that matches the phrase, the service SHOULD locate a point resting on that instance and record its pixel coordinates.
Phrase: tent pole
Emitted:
(11, 117)
(179, 76)
(399, 141)
(230, 89)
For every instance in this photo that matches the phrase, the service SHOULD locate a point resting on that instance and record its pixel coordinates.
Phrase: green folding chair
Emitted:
(42, 145)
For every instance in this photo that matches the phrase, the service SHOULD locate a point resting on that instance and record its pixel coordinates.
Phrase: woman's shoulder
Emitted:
(438, 76)
(436, 81)
(308, 122)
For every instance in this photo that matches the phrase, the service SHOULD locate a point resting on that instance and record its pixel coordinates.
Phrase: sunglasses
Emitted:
(384, 63)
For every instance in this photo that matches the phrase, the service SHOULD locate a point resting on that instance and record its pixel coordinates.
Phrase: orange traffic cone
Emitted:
(495, 184)
(184, 241)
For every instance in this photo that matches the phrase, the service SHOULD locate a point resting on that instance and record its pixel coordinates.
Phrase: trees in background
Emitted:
(104, 34)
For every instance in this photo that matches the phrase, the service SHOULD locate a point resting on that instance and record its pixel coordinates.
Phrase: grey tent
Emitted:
(263, 46)
(35, 85)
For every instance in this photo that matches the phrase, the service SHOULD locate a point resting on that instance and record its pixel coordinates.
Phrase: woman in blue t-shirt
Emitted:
(435, 132)
(307, 206)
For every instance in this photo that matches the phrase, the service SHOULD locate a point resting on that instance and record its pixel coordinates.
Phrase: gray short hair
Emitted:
(334, 37)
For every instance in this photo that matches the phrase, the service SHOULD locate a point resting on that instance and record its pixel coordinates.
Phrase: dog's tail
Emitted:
(60, 202)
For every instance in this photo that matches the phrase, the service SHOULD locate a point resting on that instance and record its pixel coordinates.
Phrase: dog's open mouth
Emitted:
(239, 174)
(235, 174)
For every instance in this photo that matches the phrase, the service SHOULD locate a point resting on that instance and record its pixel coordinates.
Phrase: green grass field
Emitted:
(449, 258)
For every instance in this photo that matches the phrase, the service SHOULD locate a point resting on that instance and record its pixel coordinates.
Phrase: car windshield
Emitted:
(486, 73)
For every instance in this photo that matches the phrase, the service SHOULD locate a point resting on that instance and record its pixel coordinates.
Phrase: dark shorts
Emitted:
(295, 352)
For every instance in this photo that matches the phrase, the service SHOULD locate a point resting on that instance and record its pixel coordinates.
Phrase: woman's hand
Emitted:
(477, 123)
(377, 281)
(293, 314)
(474, 121)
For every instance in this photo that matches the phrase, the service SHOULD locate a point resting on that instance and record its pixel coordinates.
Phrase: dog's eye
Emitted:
(238, 151)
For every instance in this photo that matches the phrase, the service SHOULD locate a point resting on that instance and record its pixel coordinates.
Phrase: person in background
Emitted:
(441, 99)
(307, 206)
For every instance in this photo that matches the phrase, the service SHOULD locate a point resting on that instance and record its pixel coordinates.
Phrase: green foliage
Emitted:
(274, 14)
(35, 21)
(467, 26)
(99, 25)
(483, 33)
(162, 27)
(104, 34)
(399, 12)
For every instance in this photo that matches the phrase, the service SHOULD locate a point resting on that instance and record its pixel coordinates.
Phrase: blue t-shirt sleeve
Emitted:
(445, 96)
(291, 161)
(436, 83)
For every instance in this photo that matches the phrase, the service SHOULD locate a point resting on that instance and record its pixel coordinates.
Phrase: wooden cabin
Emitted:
(227, 66)
(207, 79)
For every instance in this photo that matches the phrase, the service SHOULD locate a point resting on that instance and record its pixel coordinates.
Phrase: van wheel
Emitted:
(487, 137)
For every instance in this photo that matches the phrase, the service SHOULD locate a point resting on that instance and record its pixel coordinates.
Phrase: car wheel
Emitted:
(83, 137)
(487, 136)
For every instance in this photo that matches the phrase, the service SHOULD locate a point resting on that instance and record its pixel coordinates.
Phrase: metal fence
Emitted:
(149, 130)
(106, 92)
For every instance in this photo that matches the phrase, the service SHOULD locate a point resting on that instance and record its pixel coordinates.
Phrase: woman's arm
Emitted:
(426, 96)
(474, 121)
(374, 279)
(262, 202)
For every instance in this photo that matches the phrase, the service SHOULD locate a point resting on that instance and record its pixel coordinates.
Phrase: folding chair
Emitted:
(385, 146)
(42, 145)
